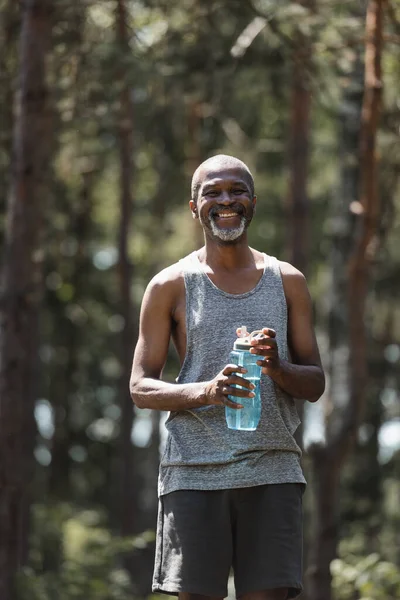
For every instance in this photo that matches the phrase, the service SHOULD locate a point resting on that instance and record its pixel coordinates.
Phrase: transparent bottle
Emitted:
(248, 417)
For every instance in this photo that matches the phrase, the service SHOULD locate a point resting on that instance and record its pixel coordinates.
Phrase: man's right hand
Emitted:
(218, 389)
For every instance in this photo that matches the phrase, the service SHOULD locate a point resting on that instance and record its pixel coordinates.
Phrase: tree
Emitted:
(328, 460)
(127, 498)
(298, 204)
(10, 22)
(21, 286)
(299, 142)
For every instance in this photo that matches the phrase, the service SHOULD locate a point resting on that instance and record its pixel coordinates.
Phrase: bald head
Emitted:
(218, 163)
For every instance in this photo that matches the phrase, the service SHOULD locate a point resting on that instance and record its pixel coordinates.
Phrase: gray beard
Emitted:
(228, 235)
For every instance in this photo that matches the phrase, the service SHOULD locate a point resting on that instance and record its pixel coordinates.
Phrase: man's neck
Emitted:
(227, 256)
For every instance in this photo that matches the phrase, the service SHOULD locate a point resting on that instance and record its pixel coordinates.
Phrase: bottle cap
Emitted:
(244, 340)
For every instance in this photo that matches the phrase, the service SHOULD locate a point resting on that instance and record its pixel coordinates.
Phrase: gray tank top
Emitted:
(201, 452)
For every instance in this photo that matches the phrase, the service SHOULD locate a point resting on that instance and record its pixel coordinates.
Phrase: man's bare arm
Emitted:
(303, 377)
(147, 389)
(305, 382)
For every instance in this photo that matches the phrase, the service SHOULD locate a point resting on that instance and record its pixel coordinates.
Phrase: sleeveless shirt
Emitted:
(201, 453)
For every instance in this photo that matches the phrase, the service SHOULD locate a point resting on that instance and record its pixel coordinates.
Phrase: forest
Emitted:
(106, 109)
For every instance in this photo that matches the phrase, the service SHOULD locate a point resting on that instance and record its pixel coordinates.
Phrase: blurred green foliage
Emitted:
(365, 577)
(198, 88)
(74, 556)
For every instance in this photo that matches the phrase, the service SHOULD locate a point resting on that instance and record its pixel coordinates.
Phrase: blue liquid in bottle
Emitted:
(248, 417)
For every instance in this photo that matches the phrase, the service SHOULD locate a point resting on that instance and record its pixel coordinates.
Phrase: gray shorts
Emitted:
(202, 534)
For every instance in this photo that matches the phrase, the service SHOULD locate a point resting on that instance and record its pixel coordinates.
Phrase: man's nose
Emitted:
(225, 198)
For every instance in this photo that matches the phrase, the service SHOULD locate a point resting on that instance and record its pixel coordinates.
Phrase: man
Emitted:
(227, 498)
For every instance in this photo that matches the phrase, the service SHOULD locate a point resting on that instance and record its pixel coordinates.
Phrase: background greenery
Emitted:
(202, 78)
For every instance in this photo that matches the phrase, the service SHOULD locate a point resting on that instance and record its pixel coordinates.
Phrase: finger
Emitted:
(224, 401)
(241, 393)
(262, 351)
(270, 342)
(269, 332)
(265, 364)
(235, 380)
(229, 369)
(231, 403)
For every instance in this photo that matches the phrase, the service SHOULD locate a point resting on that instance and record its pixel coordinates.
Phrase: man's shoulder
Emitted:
(288, 271)
(168, 278)
(169, 275)
(293, 281)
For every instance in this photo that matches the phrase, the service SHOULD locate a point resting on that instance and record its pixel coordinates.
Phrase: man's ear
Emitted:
(193, 208)
(254, 203)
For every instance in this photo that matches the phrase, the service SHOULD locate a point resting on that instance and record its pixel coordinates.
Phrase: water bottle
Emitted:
(248, 417)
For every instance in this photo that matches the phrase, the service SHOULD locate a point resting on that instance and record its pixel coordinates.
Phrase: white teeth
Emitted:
(227, 215)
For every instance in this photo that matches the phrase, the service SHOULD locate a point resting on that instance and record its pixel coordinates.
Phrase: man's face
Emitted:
(225, 204)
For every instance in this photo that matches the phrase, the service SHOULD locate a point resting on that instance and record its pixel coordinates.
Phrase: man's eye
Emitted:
(239, 192)
(211, 193)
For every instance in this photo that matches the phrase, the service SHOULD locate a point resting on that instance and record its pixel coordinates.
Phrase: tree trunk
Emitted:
(299, 144)
(298, 205)
(10, 25)
(128, 500)
(195, 155)
(368, 210)
(342, 239)
(59, 480)
(328, 462)
(21, 286)
(326, 473)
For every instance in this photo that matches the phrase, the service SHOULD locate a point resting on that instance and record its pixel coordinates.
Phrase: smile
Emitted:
(226, 215)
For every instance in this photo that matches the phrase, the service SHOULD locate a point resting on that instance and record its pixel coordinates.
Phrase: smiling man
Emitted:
(228, 222)
(228, 499)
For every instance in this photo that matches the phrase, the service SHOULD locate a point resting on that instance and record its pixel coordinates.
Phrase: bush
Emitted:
(75, 557)
(365, 578)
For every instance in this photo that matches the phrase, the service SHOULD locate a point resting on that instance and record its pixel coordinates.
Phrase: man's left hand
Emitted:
(267, 347)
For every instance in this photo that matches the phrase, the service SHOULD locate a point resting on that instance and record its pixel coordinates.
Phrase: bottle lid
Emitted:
(244, 340)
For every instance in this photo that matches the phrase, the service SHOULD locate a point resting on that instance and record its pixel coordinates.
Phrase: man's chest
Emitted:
(239, 282)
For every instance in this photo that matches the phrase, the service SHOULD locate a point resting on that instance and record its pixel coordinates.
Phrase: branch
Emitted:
(271, 22)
